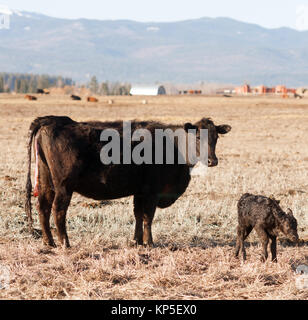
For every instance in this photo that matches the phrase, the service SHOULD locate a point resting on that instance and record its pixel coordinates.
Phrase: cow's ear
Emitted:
(189, 126)
(223, 129)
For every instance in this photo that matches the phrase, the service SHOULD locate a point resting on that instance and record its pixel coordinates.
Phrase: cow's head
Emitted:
(213, 134)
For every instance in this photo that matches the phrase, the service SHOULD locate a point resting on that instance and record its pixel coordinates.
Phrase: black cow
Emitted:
(68, 160)
(73, 97)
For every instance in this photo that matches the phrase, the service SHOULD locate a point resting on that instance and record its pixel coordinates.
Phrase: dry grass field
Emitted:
(265, 153)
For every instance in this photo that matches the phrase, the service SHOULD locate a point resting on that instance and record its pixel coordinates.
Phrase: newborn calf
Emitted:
(265, 215)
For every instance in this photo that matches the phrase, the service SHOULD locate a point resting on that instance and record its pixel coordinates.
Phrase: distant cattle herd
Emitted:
(45, 91)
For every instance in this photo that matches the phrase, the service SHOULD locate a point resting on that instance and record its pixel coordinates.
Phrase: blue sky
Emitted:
(267, 13)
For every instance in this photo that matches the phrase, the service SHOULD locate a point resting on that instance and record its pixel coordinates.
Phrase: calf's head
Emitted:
(289, 226)
(213, 132)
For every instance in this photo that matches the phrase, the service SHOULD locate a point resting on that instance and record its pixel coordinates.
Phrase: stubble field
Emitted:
(265, 153)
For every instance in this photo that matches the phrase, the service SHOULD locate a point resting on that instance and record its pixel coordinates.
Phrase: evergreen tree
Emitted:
(1, 84)
(24, 86)
(17, 85)
(32, 87)
(104, 89)
(93, 86)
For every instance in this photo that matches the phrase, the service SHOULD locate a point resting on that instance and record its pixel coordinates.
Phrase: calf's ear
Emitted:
(189, 126)
(223, 129)
(289, 212)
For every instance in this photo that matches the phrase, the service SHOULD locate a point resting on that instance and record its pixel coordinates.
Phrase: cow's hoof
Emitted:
(50, 244)
(137, 242)
(148, 245)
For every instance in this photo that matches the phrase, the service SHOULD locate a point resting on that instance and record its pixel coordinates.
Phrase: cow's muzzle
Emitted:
(212, 162)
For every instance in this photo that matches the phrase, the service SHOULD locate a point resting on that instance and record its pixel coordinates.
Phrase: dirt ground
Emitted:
(265, 153)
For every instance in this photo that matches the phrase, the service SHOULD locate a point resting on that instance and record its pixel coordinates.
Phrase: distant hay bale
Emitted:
(144, 102)
(110, 101)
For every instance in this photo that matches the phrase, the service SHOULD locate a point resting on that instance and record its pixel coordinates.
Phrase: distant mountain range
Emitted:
(207, 49)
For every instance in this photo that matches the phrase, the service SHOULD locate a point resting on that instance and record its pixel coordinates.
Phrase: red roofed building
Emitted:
(243, 89)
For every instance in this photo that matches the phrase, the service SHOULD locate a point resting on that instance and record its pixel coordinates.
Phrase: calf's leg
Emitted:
(242, 234)
(239, 240)
(274, 247)
(264, 240)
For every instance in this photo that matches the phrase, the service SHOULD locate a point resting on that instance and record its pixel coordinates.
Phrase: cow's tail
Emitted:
(34, 128)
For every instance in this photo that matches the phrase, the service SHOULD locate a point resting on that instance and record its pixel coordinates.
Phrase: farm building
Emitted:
(262, 89)
(245, 89)
(147, 90)
(280, 89)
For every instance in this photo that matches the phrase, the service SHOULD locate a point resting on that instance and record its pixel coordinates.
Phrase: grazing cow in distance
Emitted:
(42, 91)
(67, 160)
(267, 218)
(92, 99)
(77, 98)
(29, 97)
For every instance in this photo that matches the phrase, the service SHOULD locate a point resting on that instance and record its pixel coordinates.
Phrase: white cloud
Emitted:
(154, 29)
(302, 17)
(5, 10)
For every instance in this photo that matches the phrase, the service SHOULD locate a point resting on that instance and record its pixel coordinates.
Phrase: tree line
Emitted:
(29, 83)
(107, 88)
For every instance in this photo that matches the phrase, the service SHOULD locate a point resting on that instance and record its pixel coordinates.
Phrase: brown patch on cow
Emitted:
(92, 99)
(30, 98)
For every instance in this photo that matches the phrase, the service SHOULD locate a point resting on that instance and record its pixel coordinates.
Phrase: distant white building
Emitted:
(147, 90)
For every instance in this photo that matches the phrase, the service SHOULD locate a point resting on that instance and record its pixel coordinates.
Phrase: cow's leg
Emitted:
(148, 215)
(60, 206)
(138, 212)
(144, 209)
(45, 200)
